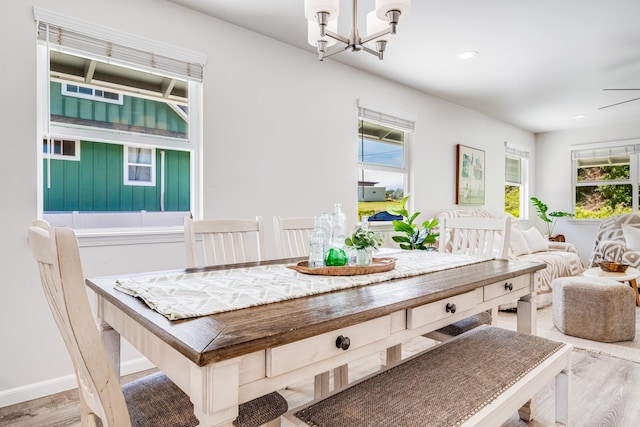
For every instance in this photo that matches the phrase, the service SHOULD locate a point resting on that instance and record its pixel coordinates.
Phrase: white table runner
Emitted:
(199, 294)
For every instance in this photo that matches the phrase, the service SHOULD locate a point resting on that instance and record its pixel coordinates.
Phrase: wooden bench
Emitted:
(481, 377)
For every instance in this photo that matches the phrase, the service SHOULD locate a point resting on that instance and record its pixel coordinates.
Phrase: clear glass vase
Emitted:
(360, 257)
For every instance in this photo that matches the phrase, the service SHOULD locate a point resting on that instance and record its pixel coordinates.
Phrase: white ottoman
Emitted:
(594, 308)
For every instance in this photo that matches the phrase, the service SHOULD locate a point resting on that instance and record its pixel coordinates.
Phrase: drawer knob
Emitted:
(343, 342)
(451, 308)
(508, 286)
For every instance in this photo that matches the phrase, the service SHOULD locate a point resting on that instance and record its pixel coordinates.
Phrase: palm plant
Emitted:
(549, 218)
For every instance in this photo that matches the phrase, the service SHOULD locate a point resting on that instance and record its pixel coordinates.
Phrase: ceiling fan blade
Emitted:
(618, 103)
(620, 89)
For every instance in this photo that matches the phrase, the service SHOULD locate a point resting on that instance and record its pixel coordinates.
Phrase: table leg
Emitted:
(340, 377)
(527, 323)
(321, 385)
(110, 338)
(634, 285)
(214, 393)
(527, 315)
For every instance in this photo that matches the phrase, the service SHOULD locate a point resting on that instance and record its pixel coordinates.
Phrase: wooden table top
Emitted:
(222, 336)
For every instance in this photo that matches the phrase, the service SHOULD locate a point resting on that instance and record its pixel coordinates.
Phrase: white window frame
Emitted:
(152, 165)
(62, 156)
(600, 150)
(392, 118)
(93, 96)
(522, 154)
(194, 143)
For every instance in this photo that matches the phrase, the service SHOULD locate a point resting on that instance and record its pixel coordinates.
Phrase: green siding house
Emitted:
(91, 176)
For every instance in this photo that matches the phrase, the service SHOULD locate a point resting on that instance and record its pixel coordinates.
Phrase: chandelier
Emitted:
(381, 26)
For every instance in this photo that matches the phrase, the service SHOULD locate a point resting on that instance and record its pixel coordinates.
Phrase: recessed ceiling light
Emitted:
(468, 54)
(579, 116)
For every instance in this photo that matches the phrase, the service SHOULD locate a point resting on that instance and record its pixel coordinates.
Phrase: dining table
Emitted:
(222, 357)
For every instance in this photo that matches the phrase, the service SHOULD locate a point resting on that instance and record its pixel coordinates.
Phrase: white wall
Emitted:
(553, 171)
(279, 139)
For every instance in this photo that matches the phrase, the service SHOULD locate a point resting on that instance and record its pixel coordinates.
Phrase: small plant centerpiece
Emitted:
(549, 218)
(363, 242)
(416, 236)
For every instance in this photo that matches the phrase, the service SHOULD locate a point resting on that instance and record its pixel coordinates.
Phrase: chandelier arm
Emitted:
(335, 52)
(376, 35)
(336, 36)
(371, 51)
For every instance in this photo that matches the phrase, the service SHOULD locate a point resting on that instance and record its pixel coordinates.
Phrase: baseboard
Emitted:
(56, 385)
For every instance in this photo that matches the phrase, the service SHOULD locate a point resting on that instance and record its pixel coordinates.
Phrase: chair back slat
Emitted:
(487, 237)
(292, 235)
(56, 252)
(222, 241)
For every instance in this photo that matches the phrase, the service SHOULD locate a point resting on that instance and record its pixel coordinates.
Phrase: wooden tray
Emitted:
(378, 265)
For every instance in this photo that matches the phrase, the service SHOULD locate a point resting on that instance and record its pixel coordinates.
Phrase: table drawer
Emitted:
(503, 287)
(428, 313)
(301, 353)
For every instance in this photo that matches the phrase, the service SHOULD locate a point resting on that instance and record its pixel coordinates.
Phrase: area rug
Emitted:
(627, 350)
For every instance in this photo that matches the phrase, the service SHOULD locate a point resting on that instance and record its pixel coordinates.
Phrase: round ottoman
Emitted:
(594, 308)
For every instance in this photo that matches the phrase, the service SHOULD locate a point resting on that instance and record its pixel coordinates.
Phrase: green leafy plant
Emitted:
(364, 238)
(549, 218)
(416, 236)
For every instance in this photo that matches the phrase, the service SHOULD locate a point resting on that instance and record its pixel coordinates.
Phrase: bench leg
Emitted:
(563, 385)
(526, 411)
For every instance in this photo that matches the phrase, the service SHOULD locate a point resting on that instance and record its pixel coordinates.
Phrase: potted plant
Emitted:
(549, 218)
(363, 242)
(416, 236)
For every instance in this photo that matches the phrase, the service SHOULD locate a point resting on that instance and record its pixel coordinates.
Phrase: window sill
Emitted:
(129, 236)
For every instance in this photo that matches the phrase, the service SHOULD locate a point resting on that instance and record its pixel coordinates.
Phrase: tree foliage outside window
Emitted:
(512, 200)
(604, 190)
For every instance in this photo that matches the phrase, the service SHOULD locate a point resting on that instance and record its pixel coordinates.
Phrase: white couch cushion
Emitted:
(631, 237)
(518, 243)
(535, 241)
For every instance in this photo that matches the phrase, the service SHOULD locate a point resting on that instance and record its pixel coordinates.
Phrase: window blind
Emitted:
(605, 152)
(111, 47)
(516, 152)
(513, 170)
(386, 119)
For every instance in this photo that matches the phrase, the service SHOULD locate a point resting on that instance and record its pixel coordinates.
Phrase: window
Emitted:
(133, 110)
(63, 149)
(605, 180)
(91, 93)
(516, 177)
(382, 160)
(140, 165)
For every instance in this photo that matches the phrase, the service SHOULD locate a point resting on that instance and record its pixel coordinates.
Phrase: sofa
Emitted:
(618, 240)
(561, 258)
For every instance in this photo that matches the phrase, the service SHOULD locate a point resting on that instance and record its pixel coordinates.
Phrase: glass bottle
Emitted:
(338, 226)
(325, 225)
(317, 243)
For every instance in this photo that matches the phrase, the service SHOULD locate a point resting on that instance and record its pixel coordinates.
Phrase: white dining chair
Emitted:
(222, 241)
(292, 235)
(150, 401)
(488, 237)
(482, 237)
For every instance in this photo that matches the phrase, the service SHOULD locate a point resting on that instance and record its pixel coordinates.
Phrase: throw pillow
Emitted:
(517, 243)
(535, 241)
(632, 237)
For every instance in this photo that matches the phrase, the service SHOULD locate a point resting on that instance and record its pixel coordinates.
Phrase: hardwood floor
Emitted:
(603, 393)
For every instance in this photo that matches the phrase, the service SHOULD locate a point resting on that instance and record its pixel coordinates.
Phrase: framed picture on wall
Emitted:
(469, 176)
